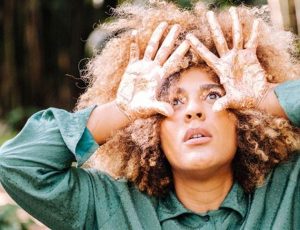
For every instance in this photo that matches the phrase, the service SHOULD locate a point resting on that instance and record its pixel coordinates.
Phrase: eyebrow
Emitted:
(203, 88)
(206, 87)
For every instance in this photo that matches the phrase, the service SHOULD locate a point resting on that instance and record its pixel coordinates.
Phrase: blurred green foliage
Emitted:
(224, 3)
(6, 137)
(18, 116)
(9, 219)
(184, 3)
(14, 120)
(6, 132)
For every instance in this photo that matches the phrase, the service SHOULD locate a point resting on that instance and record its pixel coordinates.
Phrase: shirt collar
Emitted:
(170, 207)
(237, 200)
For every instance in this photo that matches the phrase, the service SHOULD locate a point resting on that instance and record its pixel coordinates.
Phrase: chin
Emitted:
(202, 161)
(198, 160)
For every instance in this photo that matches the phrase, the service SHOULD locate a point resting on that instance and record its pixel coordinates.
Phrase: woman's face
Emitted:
(195, 139)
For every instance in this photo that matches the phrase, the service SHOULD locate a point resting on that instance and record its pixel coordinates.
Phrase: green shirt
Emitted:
(35, 169)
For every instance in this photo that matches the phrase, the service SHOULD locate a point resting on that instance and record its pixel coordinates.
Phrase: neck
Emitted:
(203, 194)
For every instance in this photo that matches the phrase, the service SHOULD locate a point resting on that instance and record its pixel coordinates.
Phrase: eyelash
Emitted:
(175, 100)
(213, 93)
(178, 100)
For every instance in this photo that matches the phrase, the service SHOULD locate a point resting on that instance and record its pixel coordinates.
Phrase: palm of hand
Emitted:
(239, 70)
(136, 96)
(242, 77)
(139, 84)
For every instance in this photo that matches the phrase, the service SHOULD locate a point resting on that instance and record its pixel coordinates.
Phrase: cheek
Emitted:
(168, 138)
(228, 133)
(165, 134)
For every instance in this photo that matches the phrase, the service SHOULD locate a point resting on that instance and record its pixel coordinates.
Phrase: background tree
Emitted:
(40, 50)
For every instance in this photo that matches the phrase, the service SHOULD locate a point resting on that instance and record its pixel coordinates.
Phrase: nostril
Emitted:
(188, 116)
(199, 115)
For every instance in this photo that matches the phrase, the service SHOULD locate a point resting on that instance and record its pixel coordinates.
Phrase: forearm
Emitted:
(270, 103)
(104, 120)
(283, 100)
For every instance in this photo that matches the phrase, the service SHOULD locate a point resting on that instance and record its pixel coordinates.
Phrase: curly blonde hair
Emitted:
(135, 152)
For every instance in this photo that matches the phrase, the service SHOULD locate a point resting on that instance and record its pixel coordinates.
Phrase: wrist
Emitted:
(105, 120)
(122, 111)
(269, 102)
(264, 96)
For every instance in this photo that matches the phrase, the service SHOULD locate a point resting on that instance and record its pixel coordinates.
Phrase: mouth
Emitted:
(195, 136)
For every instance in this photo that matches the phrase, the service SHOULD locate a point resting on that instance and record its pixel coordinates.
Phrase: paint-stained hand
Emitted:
(136, 96)
(239, 70)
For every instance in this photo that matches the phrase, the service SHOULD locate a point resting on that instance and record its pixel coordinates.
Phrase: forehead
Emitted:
(196, 76)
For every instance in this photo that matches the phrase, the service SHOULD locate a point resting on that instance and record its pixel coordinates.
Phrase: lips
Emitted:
(197, 136)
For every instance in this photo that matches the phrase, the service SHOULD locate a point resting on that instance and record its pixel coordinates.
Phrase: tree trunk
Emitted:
(34, 56)
(283, 14)
(10, 95)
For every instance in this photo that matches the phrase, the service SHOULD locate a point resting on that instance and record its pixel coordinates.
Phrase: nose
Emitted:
(193, 111)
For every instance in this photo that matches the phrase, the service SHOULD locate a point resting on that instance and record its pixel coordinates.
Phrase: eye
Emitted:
(213, 96)
(177, 101)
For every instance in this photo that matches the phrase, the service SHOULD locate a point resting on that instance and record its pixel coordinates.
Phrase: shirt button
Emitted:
(206, 218)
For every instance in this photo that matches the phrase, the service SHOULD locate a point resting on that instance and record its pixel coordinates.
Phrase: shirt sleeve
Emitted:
(36, 168)
(288, 94)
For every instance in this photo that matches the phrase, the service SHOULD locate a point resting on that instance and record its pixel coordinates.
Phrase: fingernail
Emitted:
(176, 27)
(210, 14)
(232, 9)
(163, 24)
(191, 37)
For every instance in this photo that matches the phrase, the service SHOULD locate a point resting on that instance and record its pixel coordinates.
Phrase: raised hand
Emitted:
(136, 96)
(239, 70)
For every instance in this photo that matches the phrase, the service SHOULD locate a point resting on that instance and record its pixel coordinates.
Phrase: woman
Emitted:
(192, 137)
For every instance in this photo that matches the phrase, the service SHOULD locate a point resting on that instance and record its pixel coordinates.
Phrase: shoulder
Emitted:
(276, 202)
(118, 199)
(281, 182)
(286, 174)
(117, 188)
(290, 169)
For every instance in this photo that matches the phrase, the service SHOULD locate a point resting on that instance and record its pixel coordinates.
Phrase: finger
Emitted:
(210, 59)
(172, 65)
(153, 43)
(217, 34)
(168, 44)
(163, 108)
(237, 32)
(134, 47)
(253, 40)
